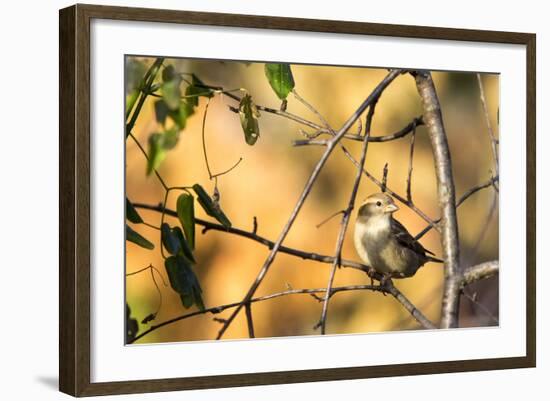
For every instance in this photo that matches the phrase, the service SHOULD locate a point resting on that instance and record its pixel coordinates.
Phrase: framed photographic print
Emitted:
(251, 200)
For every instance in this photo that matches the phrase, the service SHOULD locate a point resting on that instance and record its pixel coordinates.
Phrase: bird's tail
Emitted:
(432, 259)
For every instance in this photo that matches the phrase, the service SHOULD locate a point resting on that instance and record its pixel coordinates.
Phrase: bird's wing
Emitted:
(405, 239)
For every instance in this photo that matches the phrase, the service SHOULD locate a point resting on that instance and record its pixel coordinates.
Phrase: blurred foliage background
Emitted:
(269, 180)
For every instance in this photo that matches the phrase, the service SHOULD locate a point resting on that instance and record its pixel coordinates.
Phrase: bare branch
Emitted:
(249, 321)
(446, 197)
(418, 121)
(346, 216)
(313, 177)
(329, 218)
(253, 236)
(400, 198)
(483, 308)
(384, 185)
(408, 305)
(463, 198)
(492, 138)
(479, 272)
(218, 309)
(409, 175)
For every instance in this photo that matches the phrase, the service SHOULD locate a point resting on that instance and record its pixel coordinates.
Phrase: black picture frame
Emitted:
(74, 199)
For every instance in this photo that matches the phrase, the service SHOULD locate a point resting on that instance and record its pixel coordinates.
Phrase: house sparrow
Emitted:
(383, 243)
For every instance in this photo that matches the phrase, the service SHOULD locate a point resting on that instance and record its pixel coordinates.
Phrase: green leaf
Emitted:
(176, 268)
(192, 94)
(132, 214)
(185, 248)
(157, 152)
(186, 215)
(134, 73)
(131, 326)
(161, 111)
(184, 281)
(136, 238)
(169, 73)
(280, 78)
(249, 114)
(169, 239)
(210, 207)
(171, 94)
(196, 89)
(175, 242)
(171, 138)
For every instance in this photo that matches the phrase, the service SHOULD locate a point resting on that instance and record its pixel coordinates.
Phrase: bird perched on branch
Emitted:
(384, 244)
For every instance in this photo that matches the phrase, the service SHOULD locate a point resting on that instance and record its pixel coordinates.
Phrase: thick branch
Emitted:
(479, 272)
(446, 196)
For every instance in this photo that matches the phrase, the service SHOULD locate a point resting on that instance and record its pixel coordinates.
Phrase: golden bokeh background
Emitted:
(269, 180)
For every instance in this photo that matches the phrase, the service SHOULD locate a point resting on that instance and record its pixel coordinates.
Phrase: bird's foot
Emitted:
(384, 281)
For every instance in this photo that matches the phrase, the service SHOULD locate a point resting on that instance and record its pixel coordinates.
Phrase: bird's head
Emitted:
(377, 205)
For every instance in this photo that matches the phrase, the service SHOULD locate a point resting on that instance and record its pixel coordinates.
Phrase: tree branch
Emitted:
(319, 130)
(346, 216)
(389, 287)
(492, 138)
(249, 321)
(218, 309)
(446, 197)
(478, 272)
(463, 198)
(313, 177)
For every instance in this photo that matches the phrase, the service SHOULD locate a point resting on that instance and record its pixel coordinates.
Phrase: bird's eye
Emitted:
(378, 203)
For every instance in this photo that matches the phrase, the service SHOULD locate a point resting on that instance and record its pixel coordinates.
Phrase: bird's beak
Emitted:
(392, 207)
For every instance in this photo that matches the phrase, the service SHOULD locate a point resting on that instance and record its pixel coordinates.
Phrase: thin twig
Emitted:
(218, 309)
(346, 217)
(384, 185)
(131, 135)
(204, 139)
(394, 194)
(485, 226)
(463, 198)
(152, 269)
(484, 309)
(313, 110)
(333, 215)
(312, 137)
(249, 321)
(492, 138)
(229, 169)
(410, 171)
(409, 306)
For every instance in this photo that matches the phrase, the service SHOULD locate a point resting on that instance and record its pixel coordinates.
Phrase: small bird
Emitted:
(383, 243)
